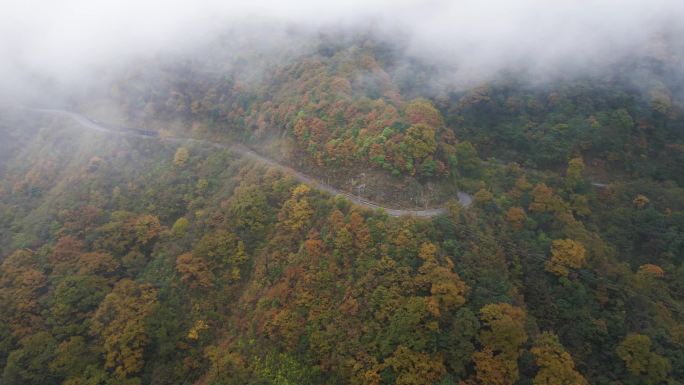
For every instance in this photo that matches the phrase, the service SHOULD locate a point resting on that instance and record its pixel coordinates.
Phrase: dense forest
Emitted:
(148, 261)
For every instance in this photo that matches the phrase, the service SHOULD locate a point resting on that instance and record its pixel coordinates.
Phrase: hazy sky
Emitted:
(65, 39)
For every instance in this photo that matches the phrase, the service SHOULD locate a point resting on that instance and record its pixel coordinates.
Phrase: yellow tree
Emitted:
(238, 259)
(502, 335)
(573, 175)
(504, 329)
(640, 201)
(494, 369)
(180, 227)
(650, 270)
(146, 228)
(447, 290)
(120, 323)
(296, 211)
(415, 368)
(556, 366)
(483, 198)
(181, 156)
(566, 254)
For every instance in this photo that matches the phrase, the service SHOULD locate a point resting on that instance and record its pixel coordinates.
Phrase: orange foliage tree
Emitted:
(516, 217)
(194, 271)
(21, 285)
(421, 111)
(543, 199)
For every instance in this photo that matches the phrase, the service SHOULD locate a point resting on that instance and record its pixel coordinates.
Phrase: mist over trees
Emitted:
(138, 245)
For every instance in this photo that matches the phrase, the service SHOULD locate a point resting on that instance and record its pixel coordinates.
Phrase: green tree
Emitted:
(573, 175)
(468, 162)
(250, 212)
(74, 300)
(641, 362)
(420, 141)
(28, 365)
(180, 227)
(72, 359)
(460, 341)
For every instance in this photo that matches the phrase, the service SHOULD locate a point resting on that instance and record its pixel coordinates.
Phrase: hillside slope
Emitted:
(128, 261)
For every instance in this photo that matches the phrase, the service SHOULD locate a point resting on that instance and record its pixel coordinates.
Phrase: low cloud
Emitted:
(68, 41)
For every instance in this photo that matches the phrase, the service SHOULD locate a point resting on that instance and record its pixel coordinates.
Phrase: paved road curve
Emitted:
(464, 198)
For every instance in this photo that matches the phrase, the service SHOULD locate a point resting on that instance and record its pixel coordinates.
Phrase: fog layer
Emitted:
(69, 41)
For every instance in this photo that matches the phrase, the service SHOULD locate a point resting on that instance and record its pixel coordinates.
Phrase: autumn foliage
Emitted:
(133, 262)
(566, 254)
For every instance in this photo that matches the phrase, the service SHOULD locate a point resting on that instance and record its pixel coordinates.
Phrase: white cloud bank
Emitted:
(64, 39)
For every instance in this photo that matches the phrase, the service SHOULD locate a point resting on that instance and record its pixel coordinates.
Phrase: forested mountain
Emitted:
(133, 256)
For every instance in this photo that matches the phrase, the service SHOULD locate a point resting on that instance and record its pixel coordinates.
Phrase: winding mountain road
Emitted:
(464, 198)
